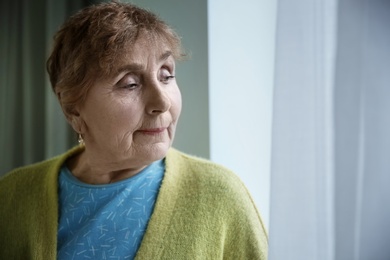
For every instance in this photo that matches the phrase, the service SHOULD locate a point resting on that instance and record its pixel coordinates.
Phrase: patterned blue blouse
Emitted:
(106, 221)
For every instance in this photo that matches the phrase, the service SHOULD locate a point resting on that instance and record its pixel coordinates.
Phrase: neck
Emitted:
(90, 171)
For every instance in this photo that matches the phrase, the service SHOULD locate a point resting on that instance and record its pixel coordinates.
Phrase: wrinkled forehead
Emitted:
(145, 49)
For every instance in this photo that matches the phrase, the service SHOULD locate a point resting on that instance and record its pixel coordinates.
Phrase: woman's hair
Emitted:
(89, 42)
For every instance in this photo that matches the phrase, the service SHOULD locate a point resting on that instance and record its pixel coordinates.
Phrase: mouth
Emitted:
(153, 131)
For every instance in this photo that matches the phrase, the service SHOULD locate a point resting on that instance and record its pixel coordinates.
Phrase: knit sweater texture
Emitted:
(203, 211)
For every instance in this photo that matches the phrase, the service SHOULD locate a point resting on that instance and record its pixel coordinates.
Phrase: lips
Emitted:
(153, 131)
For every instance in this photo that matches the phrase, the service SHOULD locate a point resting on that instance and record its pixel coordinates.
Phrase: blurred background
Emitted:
(291, 95)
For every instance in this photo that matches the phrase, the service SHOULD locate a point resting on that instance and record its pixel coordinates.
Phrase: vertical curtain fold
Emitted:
(32, 76)
(301, 225)
(362, 128)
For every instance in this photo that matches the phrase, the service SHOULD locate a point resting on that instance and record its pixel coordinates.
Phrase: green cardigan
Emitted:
(203, 211)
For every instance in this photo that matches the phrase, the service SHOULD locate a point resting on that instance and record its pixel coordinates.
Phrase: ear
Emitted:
(73, 116)
(76, 121)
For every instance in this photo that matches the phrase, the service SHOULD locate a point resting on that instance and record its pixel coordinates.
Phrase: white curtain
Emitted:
(330, 171)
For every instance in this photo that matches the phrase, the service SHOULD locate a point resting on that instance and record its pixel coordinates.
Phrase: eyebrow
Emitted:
(138, 67)
(165, 55)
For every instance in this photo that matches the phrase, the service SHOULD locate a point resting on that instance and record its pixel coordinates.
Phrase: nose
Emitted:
(158, 99)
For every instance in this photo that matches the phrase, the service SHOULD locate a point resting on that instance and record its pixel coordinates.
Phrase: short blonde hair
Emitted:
(88, 43)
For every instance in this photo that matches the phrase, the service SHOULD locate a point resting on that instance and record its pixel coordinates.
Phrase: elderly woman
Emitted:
(124, 193)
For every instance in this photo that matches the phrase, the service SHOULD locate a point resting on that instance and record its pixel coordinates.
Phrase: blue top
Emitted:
(106, 221)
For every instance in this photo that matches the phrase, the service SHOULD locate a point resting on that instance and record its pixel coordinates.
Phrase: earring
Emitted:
(81, 140)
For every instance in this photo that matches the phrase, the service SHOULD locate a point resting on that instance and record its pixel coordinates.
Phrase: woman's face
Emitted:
(130, 118)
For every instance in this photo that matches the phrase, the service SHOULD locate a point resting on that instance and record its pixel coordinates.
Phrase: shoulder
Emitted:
(29, 171)
(22, 181)
(198, 169)
(197, 165)
(208, 180)
(33, 175)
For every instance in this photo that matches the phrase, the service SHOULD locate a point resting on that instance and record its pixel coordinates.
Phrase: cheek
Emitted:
(112, 116)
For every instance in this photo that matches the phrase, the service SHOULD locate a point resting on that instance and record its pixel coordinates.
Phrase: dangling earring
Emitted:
(81, 140)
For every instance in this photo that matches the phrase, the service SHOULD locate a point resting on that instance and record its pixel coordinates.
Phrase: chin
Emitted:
(155, 152)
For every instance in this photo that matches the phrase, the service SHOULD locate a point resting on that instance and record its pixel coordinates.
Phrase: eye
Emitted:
(165, 76)
(129, 82)
(131, 86)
